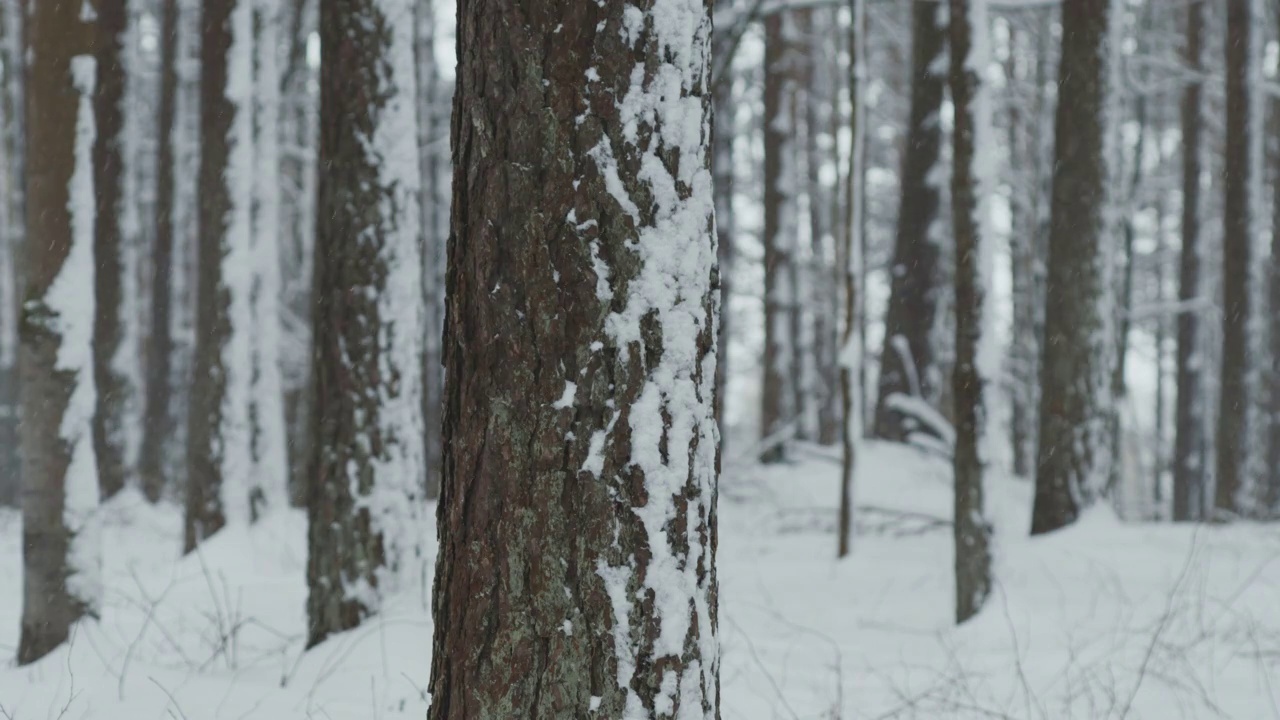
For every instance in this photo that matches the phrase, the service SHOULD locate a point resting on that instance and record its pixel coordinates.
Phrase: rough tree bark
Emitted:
(907, 360)
(219, 459)
(778, 405)
(61, 565)
(1073, 457)
(1233, 439)
(109, 168)
(366, 502)
(576, 572)
(157, 420)
(853, 346)
(1188, 448)
(977, 357)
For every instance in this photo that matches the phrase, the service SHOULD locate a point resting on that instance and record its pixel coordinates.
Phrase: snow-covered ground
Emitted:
(1103, 620)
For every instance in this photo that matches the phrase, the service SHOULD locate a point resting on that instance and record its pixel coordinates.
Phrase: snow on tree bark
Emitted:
(908, 358)
(269, 479)
(61, 561)
(852, 347)
(1073, 456)
(977, 356)
(1234, 444)
(1189, 437)
(219, 451)
(577, 518)
(366, 504)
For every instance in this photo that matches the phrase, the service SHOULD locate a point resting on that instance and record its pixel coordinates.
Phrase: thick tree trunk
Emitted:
(219, 453)
(853, 346)
(778, 406)
(1233, 439)
(1073, 458)
(977, 357)
(157, 420)
(576, 574)
(109, 180)
(908, 358)
(1188, 448)
(61, 565)
(366, 503)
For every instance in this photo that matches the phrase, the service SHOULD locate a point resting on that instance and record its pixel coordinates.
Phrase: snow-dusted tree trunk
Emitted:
(61, 561)
(977, 355)
(853, 348)
(270, 475)
(1073, 456)
(778, 395)
(219, 454)
(1189, 437)
(367, 498)
(577, 513)
(113, 386)
(157, 421)
(908, 362)
(1234, 442)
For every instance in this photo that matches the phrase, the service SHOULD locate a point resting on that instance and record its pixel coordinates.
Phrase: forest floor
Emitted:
(1102, 620)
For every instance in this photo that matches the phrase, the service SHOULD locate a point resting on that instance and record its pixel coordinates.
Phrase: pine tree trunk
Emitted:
(1188, 448)
(109, 169)
(367, 498)
(1073, 458)
(853, 346)
(61, 566)
(908, 358)
(778, 405)
(576, 575)
(1237, 258)
(219, 454)
(976, 353)
(157, 419)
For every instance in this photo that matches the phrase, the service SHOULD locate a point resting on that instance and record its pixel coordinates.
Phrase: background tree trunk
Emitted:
(976, 353)
(156, 414)
(109, 181)
(366, 504)
(908, 358)
(61, 566)
(219, 453)
(11, 232)
(1188, 448)
(577, 517)
(1073, 458)
(1233, 439)
(722, 159)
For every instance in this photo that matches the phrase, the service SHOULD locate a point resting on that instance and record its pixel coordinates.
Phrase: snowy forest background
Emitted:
(995, 407)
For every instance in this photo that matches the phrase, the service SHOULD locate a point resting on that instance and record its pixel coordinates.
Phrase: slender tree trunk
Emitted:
(1073, 462)
(61, 562)
(853, 346)
(576, 575)
(433, 133)
(1272, 495)
(908, 358)
(778, 407)
(722, 162)
(1188, 447)
(1237, 258)
(821, 286)
(11, 231)
(109, 179)
(1158, 452)
(219, 451)
(157, 419)
(366, 502)
(977, 356)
